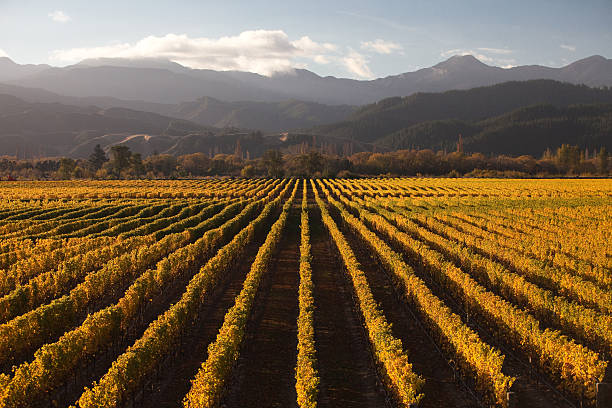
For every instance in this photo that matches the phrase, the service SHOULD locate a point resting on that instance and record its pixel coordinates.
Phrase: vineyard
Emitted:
(387, 292)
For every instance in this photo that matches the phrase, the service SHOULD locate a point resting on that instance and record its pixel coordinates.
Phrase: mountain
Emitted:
(53, 129)
(145, 84)
(529, 130)
(34, 129)
(265, 116)
(465, 72)
(9, 70)
(375, 121)
(155, 63)
(166, 82)
(38, 95)
(510, 118)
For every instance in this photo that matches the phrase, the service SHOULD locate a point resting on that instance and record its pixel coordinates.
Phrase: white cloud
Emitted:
(321, 59)
(381, 46)
(460, 51)
(483, 54)
(262, 51)
(3, 54)
(357, 64)
(568, 47)
(311, 47)
(59, 16)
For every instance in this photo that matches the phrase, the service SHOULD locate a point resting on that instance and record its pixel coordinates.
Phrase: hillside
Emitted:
(54, 129)
(265, 116)
(530, 130)
(30, 130)
(373, 122)
(207, 111)
(512, 118)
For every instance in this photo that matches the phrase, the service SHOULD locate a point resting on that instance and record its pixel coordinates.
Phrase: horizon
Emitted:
(370, 41)
(154, 60)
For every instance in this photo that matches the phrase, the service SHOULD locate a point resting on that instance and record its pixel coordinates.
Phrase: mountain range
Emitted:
(521, 117)
(160, 106)
(165, 82)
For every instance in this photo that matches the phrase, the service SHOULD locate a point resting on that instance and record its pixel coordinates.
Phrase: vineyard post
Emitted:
(512, 399)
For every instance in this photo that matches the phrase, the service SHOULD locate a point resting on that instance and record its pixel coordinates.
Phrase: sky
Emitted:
(353, 39)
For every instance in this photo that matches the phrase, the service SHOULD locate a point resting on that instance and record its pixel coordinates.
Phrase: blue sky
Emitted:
(356, 39)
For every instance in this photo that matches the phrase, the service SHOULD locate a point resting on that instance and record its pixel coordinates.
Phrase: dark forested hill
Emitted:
(530, 130)
(389, 116)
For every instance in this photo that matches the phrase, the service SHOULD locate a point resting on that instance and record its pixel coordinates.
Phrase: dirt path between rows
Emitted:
(347, 371)
(265, 373)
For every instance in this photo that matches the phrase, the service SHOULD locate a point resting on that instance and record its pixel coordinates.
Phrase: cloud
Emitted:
(381, 46)
(568, 47)
(59, 16)
(3, 54)
(310, 47)
(321, 59)
(483, 54)
(460, 51)
(262, 51)
(357, 64)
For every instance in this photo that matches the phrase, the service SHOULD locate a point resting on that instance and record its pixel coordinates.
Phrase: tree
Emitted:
(161, 165)
(310, 163)
(97, 158)
(248, 171)
(66, 168)
(603, 160)
(121, 155)
(273, 162)
(568, 157)
(195, 164)
(137, 165)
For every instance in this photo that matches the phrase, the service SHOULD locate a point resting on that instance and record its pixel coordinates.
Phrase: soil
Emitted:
(93, 369)
(173, 382)
(529, 387)
(441, 388)
(265, 371)
(346, 368)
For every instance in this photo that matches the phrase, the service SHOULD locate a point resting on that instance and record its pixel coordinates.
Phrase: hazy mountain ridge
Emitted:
(465, 72)
(265, 116)
(54, 129)
(9, 70)
(33, 130)
(206, 111)
(493, 119)
(170, 83)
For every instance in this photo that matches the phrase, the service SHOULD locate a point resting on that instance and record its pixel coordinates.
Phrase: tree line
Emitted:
(122, 163)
